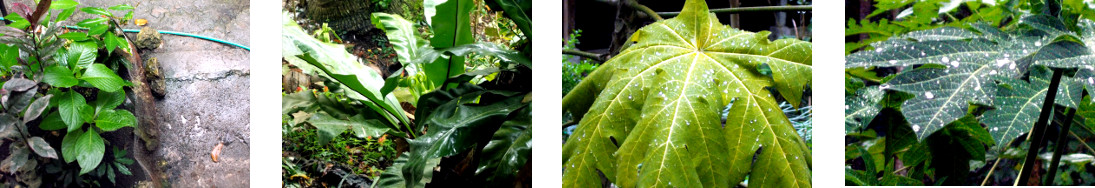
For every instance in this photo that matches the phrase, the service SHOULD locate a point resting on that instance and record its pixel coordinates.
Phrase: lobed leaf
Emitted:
(655, 122)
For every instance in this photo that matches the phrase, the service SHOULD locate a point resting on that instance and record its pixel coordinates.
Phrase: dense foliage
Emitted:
(967, 98)
(650, 116)
(449, 107)
(65, 83)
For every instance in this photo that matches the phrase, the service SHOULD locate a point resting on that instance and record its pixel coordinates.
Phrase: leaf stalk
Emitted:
(1040, 128)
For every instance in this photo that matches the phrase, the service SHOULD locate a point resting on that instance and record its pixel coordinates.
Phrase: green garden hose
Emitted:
(175, 33)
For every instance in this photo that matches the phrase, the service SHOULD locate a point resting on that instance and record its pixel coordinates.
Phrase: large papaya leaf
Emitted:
(861, 108)
(963, 65)
(655, 118)
(1019, 102)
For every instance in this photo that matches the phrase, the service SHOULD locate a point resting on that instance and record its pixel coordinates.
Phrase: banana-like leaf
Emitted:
(333, 62)
(960, 66)
(861, 108)
(393, 176)
(451, 26)
(1019, 103)
(403, 36)
(456, 125)
(650, 115)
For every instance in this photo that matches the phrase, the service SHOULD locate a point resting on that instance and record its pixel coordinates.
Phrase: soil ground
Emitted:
(208, 90)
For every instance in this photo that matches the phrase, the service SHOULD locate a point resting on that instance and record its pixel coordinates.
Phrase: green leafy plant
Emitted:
(650, 115)
(573, 72)
(58, 72)
(965, 94)
(458, 116)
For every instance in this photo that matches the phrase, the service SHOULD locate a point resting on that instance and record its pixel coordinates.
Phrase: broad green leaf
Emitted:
(111, 120)
(1019, 103)
(520, 11)
(330, 127)
(102, 77)
(451, 27)
(71, 106)
(96, 10)
(467, 114)
(81, 55)
(508, 151)
(65, 14)
(68, 145)
(293, 101)
(59, 76)
(503, 54)
(402, 35)
(394, 177)
(363, 83)
(52, 122)
(110, 41)
(861, 108)
(89, 151)
(63, 4)
(650, 115)
(42, 148)
(121, 7)
(75, 36)
(109, 100)
(17, 21)
(36, 108)
(92, 22)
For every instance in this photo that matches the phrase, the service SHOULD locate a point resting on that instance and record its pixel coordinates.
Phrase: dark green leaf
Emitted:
(68, 145)
(109, 100)
(52, 122)
(59, 76)
(452, 27)
(394, 175)
(861, 108)
(110, 120)
(70, 105)
(508, 151)
(81, 55)
(330, 127)
(1018, 105)
(90, 150)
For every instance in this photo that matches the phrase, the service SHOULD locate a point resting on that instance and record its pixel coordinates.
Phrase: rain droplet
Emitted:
(929, 95)
(945, 59)
(916, 127)
(1038, 43)
(893, 61)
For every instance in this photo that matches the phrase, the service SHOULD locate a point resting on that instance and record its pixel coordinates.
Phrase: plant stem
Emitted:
(1040, 128)
(989, 175)
(644, 9)
(1082, 142)
(1060, 144)
(751, 9)
(587, 55)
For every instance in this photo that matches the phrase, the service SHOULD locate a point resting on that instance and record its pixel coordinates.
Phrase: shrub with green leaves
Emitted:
(964, 94)
(62, 82)
(650, 116)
